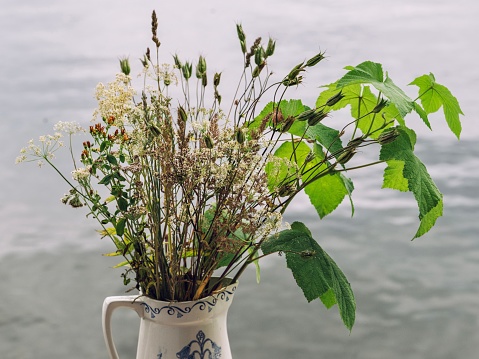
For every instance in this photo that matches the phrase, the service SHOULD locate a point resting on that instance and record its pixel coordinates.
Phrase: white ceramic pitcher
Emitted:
(176, 330)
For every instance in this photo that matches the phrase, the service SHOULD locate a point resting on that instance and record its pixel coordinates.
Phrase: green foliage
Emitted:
(405, 172)
(404, 167)
(327, 192)
(433, 96)
(313, 269)
(372, 73)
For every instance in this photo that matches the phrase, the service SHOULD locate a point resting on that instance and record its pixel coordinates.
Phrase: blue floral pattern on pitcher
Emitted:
(201, 305)
(200, 348)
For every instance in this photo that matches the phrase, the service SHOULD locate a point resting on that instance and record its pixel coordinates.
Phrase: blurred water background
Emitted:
(416, 300)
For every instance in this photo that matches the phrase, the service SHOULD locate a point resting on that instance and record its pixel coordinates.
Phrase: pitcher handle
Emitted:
(109, 305)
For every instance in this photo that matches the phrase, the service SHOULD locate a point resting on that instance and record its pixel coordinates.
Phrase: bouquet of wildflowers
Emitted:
(188, 192)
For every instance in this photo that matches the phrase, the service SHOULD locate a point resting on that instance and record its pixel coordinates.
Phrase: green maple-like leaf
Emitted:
(314, 271)
(332, 90)
(406, 171)
(393, 176)
(327, 192)
(362, 101)
(372, 73)
(328, 137)
(433, 96)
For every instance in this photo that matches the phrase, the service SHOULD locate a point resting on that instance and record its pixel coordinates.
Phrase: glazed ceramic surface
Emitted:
(176, 330)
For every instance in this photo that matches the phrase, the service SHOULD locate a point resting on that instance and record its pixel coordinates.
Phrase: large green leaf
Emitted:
(326, 189)
(362, 101)
(393, 176)
(332, 90)
(327, 192)
(400, 155)
(328, 137)
(370, 72)
(314, 271)
(433, 96)
(369, 122)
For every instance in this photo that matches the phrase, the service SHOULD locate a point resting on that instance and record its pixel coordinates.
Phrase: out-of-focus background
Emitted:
(415, 299)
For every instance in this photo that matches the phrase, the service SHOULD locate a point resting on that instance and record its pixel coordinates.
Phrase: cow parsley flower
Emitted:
(71, 128)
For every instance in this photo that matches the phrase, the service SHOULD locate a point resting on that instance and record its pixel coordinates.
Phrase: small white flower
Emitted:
(80, 173)
(21, 158)
(115, 101)
(68, 127)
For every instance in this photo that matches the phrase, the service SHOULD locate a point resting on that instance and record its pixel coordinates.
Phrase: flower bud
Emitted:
(155, 130)
(125, 66)
(295, 71)
(388, 136)
(240, 137)
(256, 72)
(216, 79)
(241, 34)
(382, 103)
(296, 81)
(317, 117)
(259, 56)
(356, 142)
(208, 141)
(286, 125)
(144, 61)
(182, 114)
(270, 48)
(201, 67)
(204, 80)
(345, 156)
(335, 99)
(178, 63)
(315, 59)
(303, 116)
(187, 69)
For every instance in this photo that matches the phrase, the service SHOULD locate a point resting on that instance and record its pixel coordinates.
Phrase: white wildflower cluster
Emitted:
(221, 173)
(201, 126)
(115, 100)
(44, 150)
(166, 74)
(163, 73)
(71, 128)
(272, 222)
(80, 174)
